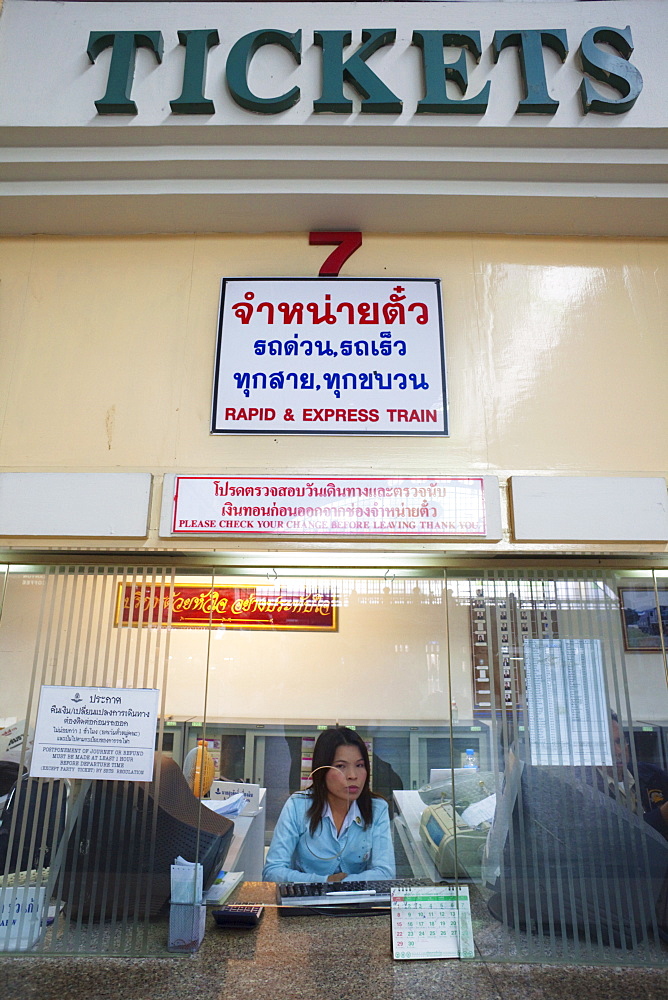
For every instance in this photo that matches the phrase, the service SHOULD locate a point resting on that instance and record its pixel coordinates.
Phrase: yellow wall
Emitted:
(556, 360)
(556, 354)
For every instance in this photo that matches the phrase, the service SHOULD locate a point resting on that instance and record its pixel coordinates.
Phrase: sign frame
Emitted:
(353, 400)
(325, 506)
(223, 606)
(636, 603)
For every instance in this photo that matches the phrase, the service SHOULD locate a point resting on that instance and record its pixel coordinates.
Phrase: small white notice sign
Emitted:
(21, 916)
(222, 790)
(95, 732)
(431, 922)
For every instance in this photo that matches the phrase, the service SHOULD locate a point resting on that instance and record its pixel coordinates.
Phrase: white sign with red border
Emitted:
(347, 356)
(238, 505)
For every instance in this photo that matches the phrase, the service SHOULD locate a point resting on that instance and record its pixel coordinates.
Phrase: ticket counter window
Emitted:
(515, 725)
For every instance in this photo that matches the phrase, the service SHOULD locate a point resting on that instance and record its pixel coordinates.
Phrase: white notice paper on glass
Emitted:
(431, 922)
(567, 707)
(95, 732)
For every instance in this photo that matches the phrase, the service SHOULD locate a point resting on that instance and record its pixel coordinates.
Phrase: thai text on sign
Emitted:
(317, 506)
(95, 732)
(196, 606)
(330, 356)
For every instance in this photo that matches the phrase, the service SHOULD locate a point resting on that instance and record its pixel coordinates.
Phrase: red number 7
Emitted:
(346, 245)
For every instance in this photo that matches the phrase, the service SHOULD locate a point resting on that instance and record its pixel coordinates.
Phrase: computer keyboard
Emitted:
(350, 896)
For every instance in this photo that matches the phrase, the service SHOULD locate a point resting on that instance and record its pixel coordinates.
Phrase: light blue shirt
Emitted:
(296, 856)
(352, 816)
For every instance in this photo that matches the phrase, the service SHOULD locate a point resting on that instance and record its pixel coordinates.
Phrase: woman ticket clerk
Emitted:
(337, 829)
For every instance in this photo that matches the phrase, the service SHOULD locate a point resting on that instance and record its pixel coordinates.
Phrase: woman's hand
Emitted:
(337, 877)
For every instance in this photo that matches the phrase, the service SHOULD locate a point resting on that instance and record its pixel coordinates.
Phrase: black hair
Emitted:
(323, 755)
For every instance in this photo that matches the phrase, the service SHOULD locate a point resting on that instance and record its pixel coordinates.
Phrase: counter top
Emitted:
(330, 957)
(308, 958)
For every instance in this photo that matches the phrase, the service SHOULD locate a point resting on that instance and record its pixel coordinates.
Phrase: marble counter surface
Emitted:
(309, 958)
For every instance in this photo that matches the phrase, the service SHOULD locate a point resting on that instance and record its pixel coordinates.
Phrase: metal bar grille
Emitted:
(89, 845)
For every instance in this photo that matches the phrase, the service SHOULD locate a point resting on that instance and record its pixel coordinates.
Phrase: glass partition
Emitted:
(514, 724)
(371, 657)
(87, 810)
(569, 671)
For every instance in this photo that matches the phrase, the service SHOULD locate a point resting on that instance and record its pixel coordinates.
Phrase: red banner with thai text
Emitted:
(192, 605)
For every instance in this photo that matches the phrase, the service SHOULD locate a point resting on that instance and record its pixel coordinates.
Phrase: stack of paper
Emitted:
(223, 887)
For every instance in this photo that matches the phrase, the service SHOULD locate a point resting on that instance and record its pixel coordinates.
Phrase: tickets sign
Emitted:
(330, 356)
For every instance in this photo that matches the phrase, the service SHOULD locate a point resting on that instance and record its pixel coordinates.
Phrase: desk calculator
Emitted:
(239, 915)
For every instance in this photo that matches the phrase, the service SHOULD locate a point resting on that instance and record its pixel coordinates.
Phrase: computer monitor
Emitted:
(125, 837)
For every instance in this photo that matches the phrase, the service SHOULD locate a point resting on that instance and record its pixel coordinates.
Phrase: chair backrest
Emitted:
(9, 775)
(31, 824)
